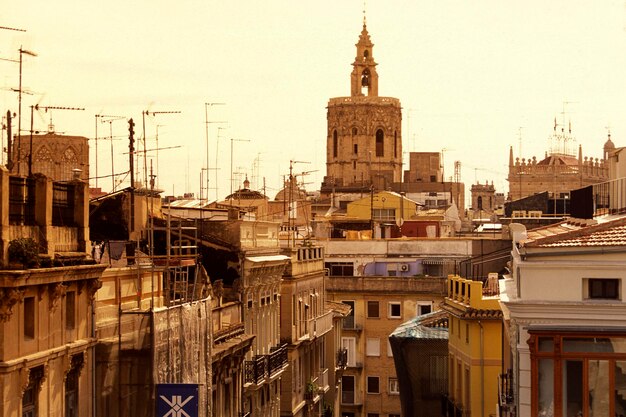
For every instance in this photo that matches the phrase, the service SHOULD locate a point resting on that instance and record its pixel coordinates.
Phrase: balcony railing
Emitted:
(316, 326)
(256, 370)
(342, 358)
(506, 396)
(264, 366)
(228, 332)
(277, 358)
(322, 381)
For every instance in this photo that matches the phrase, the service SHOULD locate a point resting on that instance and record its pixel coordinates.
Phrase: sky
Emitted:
(474, 78)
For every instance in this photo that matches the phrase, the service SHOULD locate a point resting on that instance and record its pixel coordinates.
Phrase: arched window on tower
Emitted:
(480, 203)
(335, 143)
(395, 144)
(365, 78)
(380, 143)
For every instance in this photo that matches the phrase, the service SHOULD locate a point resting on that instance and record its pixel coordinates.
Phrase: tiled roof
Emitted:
(557, 229)
(612, 233)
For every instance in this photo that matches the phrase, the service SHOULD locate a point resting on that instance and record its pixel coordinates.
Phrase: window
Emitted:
(335, 143)
(384, 215)
(372, 346)
(340, 269)
(30, 398)
(467, 332)
(603, 289)
(373, 415)
(347, 389)
(70, 310)
(395, 310)
(348, 321)
(71, 393)
(394, 387)
(356, 149)
(589, 365)
(349, 343)
(424, 307)
(353, 164)
(372, 309)
(395, 144)
(29, 317)
(380, 143)
(373, 386)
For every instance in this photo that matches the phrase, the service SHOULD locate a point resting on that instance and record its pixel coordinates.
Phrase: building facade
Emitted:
(564, 308)
(561, 171)
(306, 328)
(47, 289)
(59, 157)
(475, 346)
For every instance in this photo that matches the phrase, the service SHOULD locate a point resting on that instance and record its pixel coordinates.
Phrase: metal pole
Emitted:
(96, 140)
(112, 165)
(30, 152)
(19, 116)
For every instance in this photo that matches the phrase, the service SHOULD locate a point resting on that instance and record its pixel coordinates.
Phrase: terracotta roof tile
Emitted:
(611, 233)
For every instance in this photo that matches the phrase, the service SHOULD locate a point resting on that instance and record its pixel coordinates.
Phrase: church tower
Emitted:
(364, 136)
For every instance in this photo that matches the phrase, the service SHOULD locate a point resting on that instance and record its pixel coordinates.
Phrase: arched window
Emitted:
(480, 203)
(395, 144)
(366, 54)
(355, 131)
(335, 144)
(380, 143)
(365, 78)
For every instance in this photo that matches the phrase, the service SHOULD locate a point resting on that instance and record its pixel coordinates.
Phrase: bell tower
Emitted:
(364, 78)
(364, 136)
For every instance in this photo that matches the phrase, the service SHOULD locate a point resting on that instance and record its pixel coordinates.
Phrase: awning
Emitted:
(434, 261)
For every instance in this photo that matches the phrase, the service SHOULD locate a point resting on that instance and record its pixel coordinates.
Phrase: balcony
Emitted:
(322, 381)
(342, 358)
(317, 326)
(256, 370)
(349, 324)
(506, 396)
(262, 367)
(277, 359)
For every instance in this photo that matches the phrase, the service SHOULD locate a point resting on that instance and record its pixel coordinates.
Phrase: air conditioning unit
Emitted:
(404, 267)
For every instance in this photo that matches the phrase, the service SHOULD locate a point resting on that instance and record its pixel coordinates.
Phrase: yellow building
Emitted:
(475, 346)
(387, 209)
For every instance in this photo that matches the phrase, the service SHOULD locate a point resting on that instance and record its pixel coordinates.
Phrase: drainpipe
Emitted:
(93, 357)
(482, 368)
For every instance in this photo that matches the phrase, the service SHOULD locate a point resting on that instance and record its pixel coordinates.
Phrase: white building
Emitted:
(565, 311)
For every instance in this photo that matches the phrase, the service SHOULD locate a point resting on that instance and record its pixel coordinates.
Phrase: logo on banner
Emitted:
(177, 400)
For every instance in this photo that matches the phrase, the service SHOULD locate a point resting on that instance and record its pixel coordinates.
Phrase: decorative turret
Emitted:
(609, 147)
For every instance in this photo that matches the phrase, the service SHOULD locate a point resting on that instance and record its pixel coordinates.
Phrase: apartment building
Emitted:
(307, 329)
(564, 308)
(474, 345)
(47, 288)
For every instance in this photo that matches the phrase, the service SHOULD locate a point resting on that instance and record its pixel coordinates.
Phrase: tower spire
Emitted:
(364, 13)
(364, 78)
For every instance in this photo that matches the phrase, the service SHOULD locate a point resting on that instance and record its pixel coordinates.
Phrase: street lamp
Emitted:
(19, 109)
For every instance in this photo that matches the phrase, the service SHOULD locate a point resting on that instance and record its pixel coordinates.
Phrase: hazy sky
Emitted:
(468, 75)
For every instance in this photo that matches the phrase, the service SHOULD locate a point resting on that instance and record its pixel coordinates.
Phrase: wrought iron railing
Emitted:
(277, 358)
(506, 395)
(256, 370)
(342, 358)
